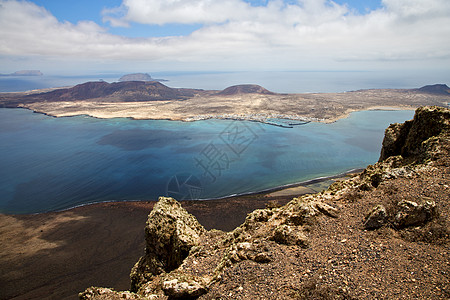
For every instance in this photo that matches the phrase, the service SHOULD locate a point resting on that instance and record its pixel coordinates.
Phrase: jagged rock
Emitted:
(298, 211)
(290, 235)
(394, 139)
(327, 209)
(259, 215)
(411, 213)
(170, 233)
(406, 139)
(376, 218)
(184, 287)
(251, 251)
(105, 294)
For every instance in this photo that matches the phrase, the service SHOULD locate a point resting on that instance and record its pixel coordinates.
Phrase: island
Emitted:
(139, 77)
(25, 73)
(154, 100)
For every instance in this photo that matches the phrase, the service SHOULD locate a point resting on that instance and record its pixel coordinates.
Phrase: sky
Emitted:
(85, 36)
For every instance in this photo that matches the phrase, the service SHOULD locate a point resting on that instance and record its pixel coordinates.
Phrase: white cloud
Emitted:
(162, 12)
(418, 8)
(178, 11)
(310, 34)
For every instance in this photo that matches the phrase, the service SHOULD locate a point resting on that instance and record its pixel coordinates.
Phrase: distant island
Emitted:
(138, 77)
(25, 73)
(154, 100)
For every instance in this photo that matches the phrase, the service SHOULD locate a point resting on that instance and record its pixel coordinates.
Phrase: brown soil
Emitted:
(345, 261)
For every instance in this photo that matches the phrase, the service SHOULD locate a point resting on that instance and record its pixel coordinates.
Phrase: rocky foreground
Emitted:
(382, 234)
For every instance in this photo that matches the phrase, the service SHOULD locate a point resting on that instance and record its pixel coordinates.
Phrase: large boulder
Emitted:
(376, 218)
(412, 213)
(170, 233)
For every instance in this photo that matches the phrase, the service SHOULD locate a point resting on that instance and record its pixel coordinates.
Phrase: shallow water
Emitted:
(51, 163)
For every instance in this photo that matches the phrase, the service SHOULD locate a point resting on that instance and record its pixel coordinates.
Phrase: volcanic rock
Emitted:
(170, 234)
(411, 213)
(376, 218)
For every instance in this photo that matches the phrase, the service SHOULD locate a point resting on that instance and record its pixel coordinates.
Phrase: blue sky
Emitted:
(78, 10)
(224, 35)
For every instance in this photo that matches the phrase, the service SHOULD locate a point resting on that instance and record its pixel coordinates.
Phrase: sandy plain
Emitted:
(321, 107)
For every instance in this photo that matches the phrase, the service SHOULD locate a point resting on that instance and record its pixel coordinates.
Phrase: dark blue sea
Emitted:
(49, 164)
(280, 82)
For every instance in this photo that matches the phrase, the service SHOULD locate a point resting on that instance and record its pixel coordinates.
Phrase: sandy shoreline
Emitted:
(291, 189)
(124, 113)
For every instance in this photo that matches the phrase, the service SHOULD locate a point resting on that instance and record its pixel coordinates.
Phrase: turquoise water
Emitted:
(51, 163)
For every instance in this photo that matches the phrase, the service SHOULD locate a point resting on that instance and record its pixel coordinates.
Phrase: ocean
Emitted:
(280, 82)
(49, 164)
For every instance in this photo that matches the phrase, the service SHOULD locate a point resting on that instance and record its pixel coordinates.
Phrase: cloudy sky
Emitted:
(76, 36)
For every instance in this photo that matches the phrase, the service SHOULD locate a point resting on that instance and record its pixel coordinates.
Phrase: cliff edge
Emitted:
(381, 234)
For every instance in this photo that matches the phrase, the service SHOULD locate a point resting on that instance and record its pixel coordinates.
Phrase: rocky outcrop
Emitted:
(412, 137)
(177, 247)
(170, 234)
(316, 245)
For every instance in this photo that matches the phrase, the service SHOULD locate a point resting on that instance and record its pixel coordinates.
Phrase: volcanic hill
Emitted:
(101, 91)
(440, 89)
(245, 89)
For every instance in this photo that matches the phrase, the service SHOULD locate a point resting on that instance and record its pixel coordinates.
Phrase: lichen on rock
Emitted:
(170, 233)
(409, 139)
(376, 218)
(413, 213)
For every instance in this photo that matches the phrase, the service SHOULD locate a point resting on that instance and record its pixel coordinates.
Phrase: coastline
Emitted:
(283, 190)
(306, 107)
(371, 108)
(303, 120)
(289, 186)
